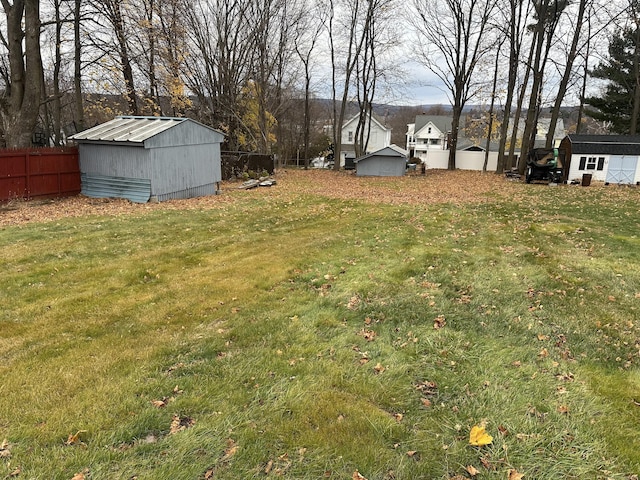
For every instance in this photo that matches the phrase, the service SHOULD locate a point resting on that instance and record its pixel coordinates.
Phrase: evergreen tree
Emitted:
(615, 105)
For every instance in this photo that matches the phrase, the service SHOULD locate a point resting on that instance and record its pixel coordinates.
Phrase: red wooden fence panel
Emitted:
(39, 172)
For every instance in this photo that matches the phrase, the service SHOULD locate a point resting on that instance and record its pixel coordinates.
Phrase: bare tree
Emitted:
(22, 95)
(219, 63)
(344, 17)
(379, 39)
(547, 16)
(453, 41)
(568, 71)
(512, 27)
(307, 33)
(116, 42)
(77, 66)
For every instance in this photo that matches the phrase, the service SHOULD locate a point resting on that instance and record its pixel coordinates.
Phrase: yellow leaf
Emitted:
(75, 439)
(514, 475)
(479, 437)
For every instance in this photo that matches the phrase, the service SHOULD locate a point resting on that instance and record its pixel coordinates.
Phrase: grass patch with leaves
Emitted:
(298, 334)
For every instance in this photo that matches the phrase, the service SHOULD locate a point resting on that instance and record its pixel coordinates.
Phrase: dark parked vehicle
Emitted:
(544, 164)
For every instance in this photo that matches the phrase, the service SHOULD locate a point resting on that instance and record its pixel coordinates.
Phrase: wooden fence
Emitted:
(39, 172)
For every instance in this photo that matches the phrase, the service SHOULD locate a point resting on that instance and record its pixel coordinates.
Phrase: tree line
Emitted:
(254, 68)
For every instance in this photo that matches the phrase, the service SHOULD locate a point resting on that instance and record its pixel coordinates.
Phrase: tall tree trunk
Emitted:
(515, 47)
(57, 104)
(633, 124)
(117, 21)
(24, 92)
(491, 108)
(77, 71)
(564, 82)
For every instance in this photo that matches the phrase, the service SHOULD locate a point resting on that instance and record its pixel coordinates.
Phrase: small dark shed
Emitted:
(389, 161)
(607, 158)
(143, 158)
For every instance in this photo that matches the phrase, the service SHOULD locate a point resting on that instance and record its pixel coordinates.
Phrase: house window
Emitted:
(435, 141)
(350, 136)
(429, 130)
(591, 163)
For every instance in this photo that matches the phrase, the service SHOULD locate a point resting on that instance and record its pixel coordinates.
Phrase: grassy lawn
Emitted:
(326, 326)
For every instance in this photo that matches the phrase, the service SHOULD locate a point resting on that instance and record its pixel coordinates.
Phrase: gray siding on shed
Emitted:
(185, 133)
(381, 166)
(114, 160)
(178, 169)
(180, 158)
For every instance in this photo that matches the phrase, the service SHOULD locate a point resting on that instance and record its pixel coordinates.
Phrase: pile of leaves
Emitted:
(437, 186)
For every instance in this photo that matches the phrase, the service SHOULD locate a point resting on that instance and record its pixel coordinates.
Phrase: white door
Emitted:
(622, 169)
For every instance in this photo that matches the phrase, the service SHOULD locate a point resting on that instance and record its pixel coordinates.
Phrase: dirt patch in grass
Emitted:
(437, 186)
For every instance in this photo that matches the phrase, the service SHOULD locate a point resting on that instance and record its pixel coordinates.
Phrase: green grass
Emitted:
(294, 336)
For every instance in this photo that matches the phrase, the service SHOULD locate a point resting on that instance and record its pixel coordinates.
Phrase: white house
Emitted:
(379, 137)
(607, 158)
(429, 132)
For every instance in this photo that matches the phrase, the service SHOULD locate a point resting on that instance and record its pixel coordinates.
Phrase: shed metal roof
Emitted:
(128, 129)
(388, 151)
(605, 144)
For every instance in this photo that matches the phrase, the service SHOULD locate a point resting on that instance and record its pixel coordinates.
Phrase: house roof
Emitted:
(130, 129)
(374, 118)
(441, 122)
(389, 151)
(605, 144)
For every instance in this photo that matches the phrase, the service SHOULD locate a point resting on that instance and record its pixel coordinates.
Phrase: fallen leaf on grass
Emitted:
(75, 439)
(368, 335)
(439, 322)
(356, 476)
(5, 451)
(487, 464)
(379, 368)
(478, 437)
(78, 476)
(179, 423)
(471, 470)
(15, 473)
(427, 387)
(515, 475)
(159, 403)
(231, 450)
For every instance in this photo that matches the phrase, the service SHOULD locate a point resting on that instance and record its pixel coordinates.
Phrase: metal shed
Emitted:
(143, 158)
(389, 161)
(608, 158)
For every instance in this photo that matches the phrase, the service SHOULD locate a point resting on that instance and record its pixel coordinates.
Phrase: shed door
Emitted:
(622, 169)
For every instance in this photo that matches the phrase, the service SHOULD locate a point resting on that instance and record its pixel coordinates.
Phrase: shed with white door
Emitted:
(608, 158)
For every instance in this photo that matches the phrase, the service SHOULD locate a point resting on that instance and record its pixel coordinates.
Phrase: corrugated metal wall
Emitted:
(380, 166)
(112, 160)
(182, 169)
(181, 162)
(135, 189)
(186, 133)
